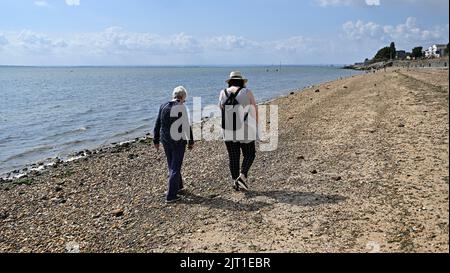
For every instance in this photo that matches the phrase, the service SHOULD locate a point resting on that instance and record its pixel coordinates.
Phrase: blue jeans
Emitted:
(175, 156)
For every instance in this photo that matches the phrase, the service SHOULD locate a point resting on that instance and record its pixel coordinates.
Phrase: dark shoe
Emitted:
(182, 191)
(174, 200)
(236, 186)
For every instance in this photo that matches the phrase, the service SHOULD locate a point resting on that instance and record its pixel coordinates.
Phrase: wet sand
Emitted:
(362, 166)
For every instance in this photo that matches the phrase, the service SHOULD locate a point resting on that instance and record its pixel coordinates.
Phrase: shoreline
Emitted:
(37, 167)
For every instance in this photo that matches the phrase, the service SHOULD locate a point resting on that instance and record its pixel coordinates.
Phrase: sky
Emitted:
(214, 32)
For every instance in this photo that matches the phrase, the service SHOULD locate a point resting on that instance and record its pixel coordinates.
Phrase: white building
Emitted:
(435, 51)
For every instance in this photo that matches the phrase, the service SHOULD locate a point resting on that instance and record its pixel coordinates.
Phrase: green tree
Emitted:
(383, 54)
(417, 52)
(447, 50)
(392, 51)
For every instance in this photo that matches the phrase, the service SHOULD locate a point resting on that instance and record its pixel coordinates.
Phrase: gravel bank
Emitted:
(362, 166)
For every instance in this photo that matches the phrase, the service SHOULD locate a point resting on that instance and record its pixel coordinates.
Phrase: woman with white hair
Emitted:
(173, 130)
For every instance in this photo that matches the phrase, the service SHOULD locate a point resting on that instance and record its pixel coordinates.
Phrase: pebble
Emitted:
(58, 200)
(96, 216)
(4, 215)
(117, 212)
(132, 156)
(314, 171)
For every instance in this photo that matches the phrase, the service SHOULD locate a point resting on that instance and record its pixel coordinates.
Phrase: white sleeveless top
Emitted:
(242, 97)
(250, 124)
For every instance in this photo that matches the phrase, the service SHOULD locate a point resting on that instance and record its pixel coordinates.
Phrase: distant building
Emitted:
(400, 54)
(435, 51)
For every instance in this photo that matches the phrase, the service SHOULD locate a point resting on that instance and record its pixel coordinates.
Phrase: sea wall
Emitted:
(425, 63)
(430, 63)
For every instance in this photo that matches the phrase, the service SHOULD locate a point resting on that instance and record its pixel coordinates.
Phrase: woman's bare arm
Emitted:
(220, 99)
(253, 103)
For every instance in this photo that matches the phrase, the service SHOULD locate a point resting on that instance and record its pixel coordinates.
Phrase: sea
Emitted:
(49, 112)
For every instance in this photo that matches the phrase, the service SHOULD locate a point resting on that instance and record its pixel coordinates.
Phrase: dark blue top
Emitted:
(165, 121)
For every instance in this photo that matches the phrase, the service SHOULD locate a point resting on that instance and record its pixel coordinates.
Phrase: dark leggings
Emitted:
(234, 153)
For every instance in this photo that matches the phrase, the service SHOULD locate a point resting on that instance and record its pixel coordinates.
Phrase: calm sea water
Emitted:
(50, 112)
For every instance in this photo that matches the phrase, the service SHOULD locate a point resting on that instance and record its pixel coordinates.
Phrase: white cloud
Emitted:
(294, 44)
(441, 3)
(115, 40)
(41, 3)
(73, 2)
(423, 3)
(373, 2)
(229, 43)
(406, 35)
(359, 30)
(326, 3)
(117, 46)
(3, 40)
(35, 42)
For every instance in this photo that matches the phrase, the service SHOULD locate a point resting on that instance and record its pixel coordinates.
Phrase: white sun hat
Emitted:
(236, 75)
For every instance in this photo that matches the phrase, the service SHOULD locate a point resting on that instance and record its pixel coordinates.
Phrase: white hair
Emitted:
(179, 93)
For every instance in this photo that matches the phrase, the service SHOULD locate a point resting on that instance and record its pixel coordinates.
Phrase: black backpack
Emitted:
(230, 104)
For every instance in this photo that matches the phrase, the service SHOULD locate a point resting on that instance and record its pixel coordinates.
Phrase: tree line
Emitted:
(390, 53)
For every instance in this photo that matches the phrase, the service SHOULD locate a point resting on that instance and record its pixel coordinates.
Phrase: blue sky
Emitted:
(184, 32)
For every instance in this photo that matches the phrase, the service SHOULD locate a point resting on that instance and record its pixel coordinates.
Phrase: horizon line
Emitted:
(179, 65)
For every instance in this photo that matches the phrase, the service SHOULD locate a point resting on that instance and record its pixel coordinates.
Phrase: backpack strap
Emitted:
(237, 92)
(231, 96)
(234, 94)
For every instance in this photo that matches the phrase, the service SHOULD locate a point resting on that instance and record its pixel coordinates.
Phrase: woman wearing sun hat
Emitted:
(239, 100)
